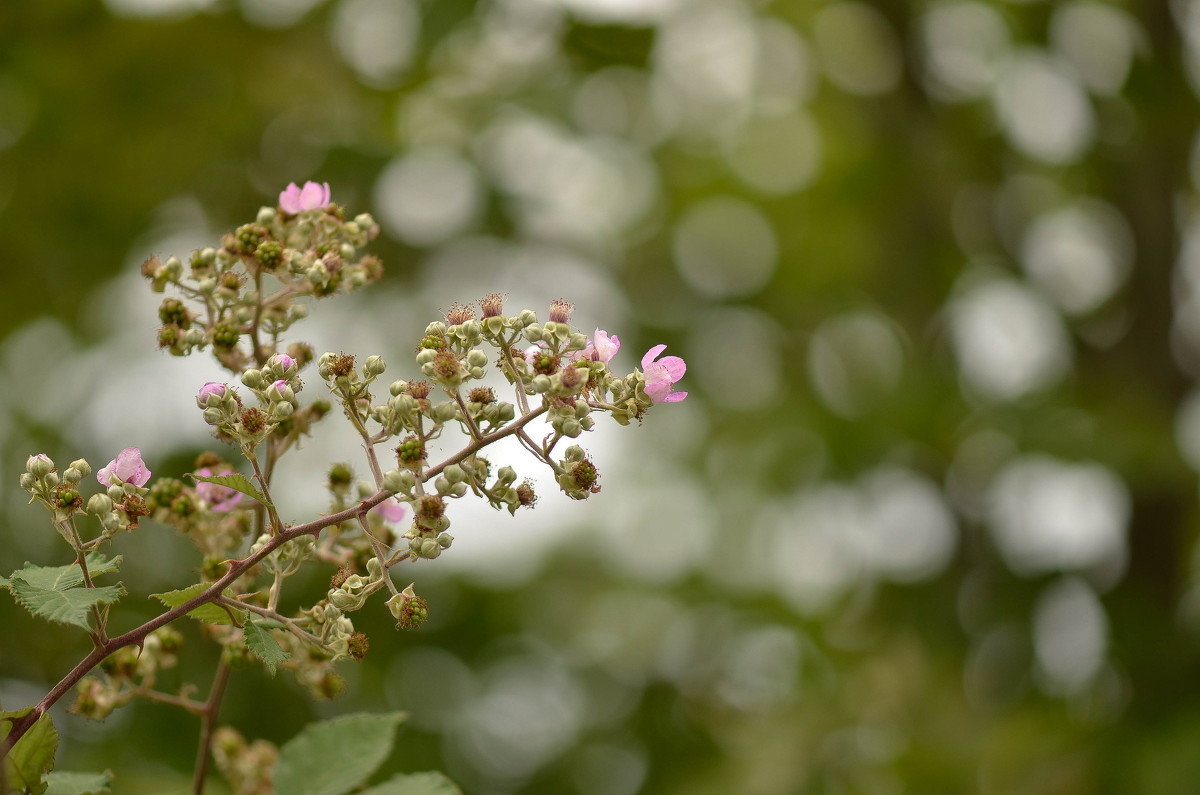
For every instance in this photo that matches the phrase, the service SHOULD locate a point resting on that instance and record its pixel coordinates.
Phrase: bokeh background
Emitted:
(926, 521)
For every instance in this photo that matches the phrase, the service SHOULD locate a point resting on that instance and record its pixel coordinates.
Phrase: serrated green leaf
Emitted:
(33, 755)
(3, 582)
(79, 783)
(237, 482)
(207, 612)
(265, 647)
(60, 578)
(428, 783)
(71, 606)
(335, 756)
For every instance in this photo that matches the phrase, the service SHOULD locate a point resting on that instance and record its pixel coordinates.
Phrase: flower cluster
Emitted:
(237, 301)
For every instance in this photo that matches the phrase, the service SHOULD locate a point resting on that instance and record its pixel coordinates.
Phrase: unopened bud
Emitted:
(39, 465)
(374, 365)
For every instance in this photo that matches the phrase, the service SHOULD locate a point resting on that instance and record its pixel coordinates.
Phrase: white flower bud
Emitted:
(39, 465)
(253, 378)
(266, 215)
(374, 365)
(443, 412)
(99, 504)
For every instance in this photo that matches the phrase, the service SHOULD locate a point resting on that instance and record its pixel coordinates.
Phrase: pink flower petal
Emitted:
(606, 347)
(289, 199)
(651, 355)
(675, 367)
(674, 397)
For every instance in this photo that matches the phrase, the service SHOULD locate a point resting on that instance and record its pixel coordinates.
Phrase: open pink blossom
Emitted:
(127, 467)
(312, 196)
(221, 499)
(604, 347)
(661, 375)
(391, 511)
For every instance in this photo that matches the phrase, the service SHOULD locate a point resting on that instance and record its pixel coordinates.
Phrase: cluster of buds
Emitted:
(333, 627)
(350, 592)
(237, 300)
(249, 767)
(126, 673)
(305, 242)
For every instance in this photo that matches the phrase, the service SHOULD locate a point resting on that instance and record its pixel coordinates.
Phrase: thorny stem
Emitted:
(475, 434)
(208, 722)
(100, 636)
(237, 568)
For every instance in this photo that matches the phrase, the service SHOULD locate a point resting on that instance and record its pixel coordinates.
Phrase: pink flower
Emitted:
(214, 388)
(312, 196)
(127, 467)
(661, 375)
(220, 499)
(604, 347)
(391, 511)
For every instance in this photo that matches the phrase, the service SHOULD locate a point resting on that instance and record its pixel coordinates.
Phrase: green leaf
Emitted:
(335, 756)
(208, 612)
(79, 783)
(237, 482)
(72, 606)
(265, 647)
(428, 783)
(60, 578)
(33, 755)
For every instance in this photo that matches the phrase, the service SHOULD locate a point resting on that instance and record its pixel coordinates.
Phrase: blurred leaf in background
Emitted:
(927, 518)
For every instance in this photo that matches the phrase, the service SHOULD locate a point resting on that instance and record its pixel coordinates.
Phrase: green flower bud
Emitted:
(72, 476)
(577, 342)
(399, 481)
(505, 411)
(214, 416)
(533, 333)
(477, 358)
(282, 410)
(443, 412)
(266, 215)
(445, 540)
(373, 366)
(397, 388)
(39, 465)
(435, 329)
(454, 473)
(28, 481)
(253, 378)
(83, 466)
(99, 504)
(527, 318)
(540, 383)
